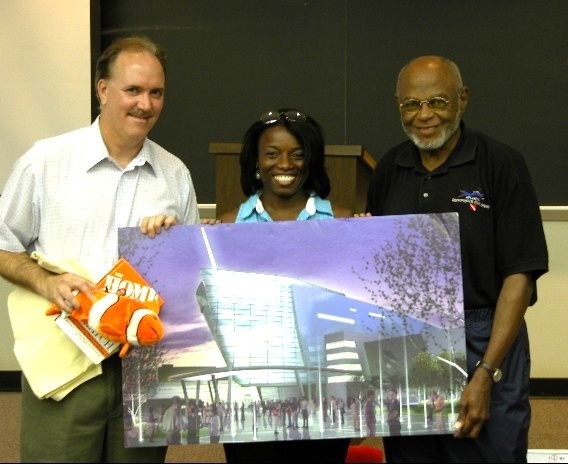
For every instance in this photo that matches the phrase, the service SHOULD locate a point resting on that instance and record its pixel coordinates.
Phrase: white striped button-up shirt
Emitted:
(67, 198)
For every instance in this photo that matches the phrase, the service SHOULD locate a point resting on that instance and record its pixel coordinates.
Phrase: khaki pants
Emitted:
(86, 426)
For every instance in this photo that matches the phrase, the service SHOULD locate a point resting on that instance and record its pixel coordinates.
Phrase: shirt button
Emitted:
(425, 194)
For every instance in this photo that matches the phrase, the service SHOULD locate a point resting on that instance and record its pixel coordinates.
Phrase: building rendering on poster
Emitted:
(299, 330)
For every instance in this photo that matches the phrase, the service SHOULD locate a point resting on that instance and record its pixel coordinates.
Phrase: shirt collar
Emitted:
(253, 205)
(310, 207)
(464, 151)
(96, 151)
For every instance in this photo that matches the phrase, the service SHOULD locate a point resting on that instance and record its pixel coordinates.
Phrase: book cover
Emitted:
(121, 278)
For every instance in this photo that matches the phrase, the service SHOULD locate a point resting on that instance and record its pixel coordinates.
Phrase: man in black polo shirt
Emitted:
(448, 167)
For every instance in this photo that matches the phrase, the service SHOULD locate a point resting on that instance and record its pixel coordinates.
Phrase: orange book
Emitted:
(122, 279)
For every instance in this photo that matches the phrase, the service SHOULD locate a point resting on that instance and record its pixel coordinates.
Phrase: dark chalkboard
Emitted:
(230, 60)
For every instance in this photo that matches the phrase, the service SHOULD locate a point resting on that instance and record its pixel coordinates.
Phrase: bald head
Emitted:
(429, 69)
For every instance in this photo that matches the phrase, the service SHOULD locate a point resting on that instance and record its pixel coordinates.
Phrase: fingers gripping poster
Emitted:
(298, 330)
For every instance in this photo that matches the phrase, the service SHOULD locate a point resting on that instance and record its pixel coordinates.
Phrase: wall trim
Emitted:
(549, 387)
(554, 213)
(10, 381)
(545, 387)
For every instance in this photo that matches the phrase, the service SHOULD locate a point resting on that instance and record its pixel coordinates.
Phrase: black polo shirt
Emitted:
(489, 185)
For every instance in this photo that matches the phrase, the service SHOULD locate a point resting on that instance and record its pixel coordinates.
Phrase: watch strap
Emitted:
(494, 373)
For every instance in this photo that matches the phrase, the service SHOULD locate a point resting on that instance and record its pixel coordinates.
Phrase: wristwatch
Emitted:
(495, 373)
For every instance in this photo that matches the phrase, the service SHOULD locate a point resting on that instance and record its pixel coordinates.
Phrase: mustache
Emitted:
(141, 114)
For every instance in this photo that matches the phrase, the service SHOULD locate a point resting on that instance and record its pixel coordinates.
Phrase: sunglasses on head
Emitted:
(270, 117)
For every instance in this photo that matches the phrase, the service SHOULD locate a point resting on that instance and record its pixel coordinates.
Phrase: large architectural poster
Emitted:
(299, 330)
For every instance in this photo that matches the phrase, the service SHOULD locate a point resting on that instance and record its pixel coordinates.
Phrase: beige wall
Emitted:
(46, 82)
(547, 320)
(46, 72)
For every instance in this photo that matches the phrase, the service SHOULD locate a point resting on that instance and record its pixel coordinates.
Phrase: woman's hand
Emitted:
(211, 221)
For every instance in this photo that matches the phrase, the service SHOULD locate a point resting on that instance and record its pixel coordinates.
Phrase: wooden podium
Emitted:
(349, 168)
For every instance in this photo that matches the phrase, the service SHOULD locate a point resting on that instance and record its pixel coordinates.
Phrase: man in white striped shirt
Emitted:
(67, 196)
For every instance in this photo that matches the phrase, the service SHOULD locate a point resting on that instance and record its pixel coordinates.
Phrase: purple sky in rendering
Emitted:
(318, 252)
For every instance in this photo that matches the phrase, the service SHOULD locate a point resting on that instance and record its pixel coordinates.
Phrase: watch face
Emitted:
(497, 375)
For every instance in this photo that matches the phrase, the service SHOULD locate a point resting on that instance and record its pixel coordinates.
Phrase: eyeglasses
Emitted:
(270, 117)
(412, 105)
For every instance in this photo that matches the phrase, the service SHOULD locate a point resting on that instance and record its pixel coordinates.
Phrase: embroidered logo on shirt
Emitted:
(473, 198)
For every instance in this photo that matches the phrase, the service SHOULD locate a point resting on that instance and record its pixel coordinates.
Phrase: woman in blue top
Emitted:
(283, 175)
(283, 171)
